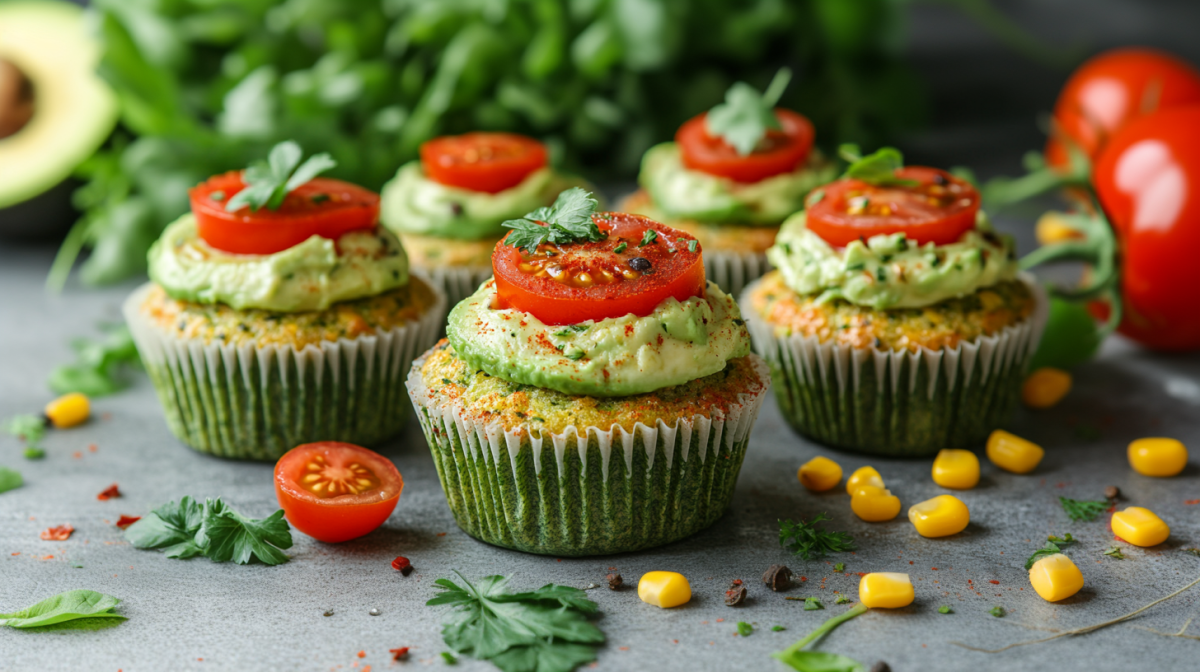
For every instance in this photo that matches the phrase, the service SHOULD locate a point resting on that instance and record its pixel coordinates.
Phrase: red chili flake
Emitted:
(1189, 502)
(17, 553)
(402, 565)
(77, 455)
(933, 569)
(60, 533)
(861, 573)
(109, 492)
(970, 581)
(737, 582)
(93, 447)
(910, 562)
(994, 581)
(400, 653)
(720, 620)
(362, 654)
(441, 534)
(125, 521)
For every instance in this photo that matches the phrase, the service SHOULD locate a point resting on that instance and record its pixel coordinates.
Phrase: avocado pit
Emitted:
(16, 99)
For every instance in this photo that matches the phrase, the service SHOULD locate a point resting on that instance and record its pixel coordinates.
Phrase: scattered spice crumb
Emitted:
(626, 648)
(77, 455)
(1112, 492)
(1191, 502)
(361, 654)
(93, 447)
(720, 620)
(993, 581)
(402, 565)
(441, 534)
(400, 653)
(125, 521)
(60, 533)
(933, 569)
(109, 493)
(614, 581)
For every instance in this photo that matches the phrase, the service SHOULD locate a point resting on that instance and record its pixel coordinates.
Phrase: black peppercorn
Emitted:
(639, 264)
(1112, 492)
(456, 208)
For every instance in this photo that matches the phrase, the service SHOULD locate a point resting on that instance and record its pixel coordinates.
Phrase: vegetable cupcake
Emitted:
(597, 395)
(896, 323)
(448, 207)
(280, 313)
(731, 177)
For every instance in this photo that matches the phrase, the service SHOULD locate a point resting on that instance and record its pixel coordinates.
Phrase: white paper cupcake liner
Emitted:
(732, 271)
(456, 282)
(249, 402)
(589, 490)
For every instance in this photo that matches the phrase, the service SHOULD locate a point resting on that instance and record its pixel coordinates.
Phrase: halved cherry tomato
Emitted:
(574, 283)
(335, 491)
(1148, 180)
(1114, 88)
(322, 207)
(939, 209)
(781, 151)
(487, 162)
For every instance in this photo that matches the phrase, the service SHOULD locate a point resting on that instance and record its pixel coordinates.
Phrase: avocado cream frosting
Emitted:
(413, 203)
(683, 193)
(676, 343)
(313, 275)
(891, 271)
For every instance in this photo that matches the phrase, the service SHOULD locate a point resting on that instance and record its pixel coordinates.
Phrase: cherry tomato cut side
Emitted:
(485, 162)
(780, 152)
(335, 491)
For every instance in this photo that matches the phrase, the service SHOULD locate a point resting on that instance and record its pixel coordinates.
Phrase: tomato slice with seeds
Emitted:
(335, 491)
(939, 209)
(780, 152)
(487, 162)
(321, 207)
(569, 284)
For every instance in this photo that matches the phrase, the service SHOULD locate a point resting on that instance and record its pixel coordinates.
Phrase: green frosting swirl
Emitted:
(413, 203)
(614, 357)
(690, 194)
(310, 276)
(890, 271)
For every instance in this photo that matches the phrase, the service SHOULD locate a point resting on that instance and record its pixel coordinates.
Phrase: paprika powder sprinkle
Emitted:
(109, 492)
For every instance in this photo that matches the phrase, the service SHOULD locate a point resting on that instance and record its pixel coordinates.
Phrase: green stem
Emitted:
(1000, 192)
(1014, 36)
(60, 270)
(828, 625)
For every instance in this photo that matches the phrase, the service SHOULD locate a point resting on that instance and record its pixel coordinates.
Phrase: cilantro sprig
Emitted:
(746, 115)
(187, 529)
(269, 182)
(569, 220)
(878, 169)
(1083, 509)
(1053, 545)
(545, 630)
(810, 542)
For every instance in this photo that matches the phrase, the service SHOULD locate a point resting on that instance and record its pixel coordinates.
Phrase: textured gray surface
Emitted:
(195, 615)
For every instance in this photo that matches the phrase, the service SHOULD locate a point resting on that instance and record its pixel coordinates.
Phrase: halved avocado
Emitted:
(55, 110)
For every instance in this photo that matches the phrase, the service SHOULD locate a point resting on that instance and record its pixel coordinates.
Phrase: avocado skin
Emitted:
(44, 217)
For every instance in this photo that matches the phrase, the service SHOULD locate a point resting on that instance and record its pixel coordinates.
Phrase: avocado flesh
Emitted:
(71, 111)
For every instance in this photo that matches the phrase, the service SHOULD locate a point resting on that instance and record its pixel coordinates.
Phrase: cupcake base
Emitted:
(245, 401)
(590, 490)
(899, 403)
(456, 282)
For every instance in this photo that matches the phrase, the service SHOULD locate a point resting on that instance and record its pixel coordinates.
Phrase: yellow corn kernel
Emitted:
(885, 590)
(664, 589)
(941, 516)
(819, 474)
(1045, 387)
(1140, 527)
(1055, 577)
(956, 469)
(68, 410)
(1157, 457)
(874, 504)
(1052, 229)
(863, 476)
(1012, 453)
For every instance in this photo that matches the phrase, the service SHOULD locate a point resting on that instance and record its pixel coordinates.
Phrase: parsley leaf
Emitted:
(97, 370)
(68, 606)
(839, 567)
(998, 612)
(170, 528)
(1083, 509)
(1115, 552)
(269, 182)
(945, 609)
(648, 238)
(569, 220)
(620, 247)
(745, 629)
(227, 535)
(878, 168)
(1053, 545)
(745, 117)
(809, 542)
(812, 604)
(10, 479)
(544, 630)
(842, 599)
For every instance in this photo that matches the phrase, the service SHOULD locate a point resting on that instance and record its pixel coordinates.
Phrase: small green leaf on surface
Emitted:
(1193, 551)
(812, 604)
(818, 661)
(745, 629)
(1082, 509)
(100, 365)
(839, 567)
(34, 453)
(842, 599)
(998, 612)
(69, 606)
(945, 609)
(10, 479)
(27, 427)
(1115, 552)
(450, 659)
(778, 628)
(808, 541)
(1053, 545)
(227, 535)
(569, 220)
(170, 528)
(269, 182)
(746, 115)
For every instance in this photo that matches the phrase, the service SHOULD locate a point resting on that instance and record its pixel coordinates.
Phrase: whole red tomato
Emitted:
(1148, 180)
(1114, 88)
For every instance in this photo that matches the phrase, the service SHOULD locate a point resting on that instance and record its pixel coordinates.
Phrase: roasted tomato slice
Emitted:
(574, 283)
(322, 207)
(938, 209)
(488, 162)
(781, 151)
(335, 491)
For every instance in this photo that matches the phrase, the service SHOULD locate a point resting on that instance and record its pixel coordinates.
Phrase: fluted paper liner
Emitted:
(899, 403)
(249, 402)
(591, 490)
(732, 271)
(456, 282)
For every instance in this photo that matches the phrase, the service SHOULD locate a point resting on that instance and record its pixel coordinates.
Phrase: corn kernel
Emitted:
(1051, 228)
(1045, 387)
(1140, 527)
(956, 469)
(863, 476)
(819, 474)
(664, 589)
(1157, 457)
(1055, 577)
(68, 410)
(1012, 453)
(941, 516)
(874, 504)
(885, 590)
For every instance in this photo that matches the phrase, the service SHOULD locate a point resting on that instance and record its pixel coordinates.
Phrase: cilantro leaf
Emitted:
(745, 117)
(269, 182)
(1115, 552)
(171, 528)
(809, 542)
(1053, 545)
(10, 479)
(97, 370)
(878, 168)
(569, 220)
(745, 629)
(28, 427)
(68, 606)
(648, 238)
(1083, 509)
(226, 535)
(812, 604)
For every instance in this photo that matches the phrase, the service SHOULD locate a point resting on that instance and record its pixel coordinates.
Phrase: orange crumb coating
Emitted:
(941, 325)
